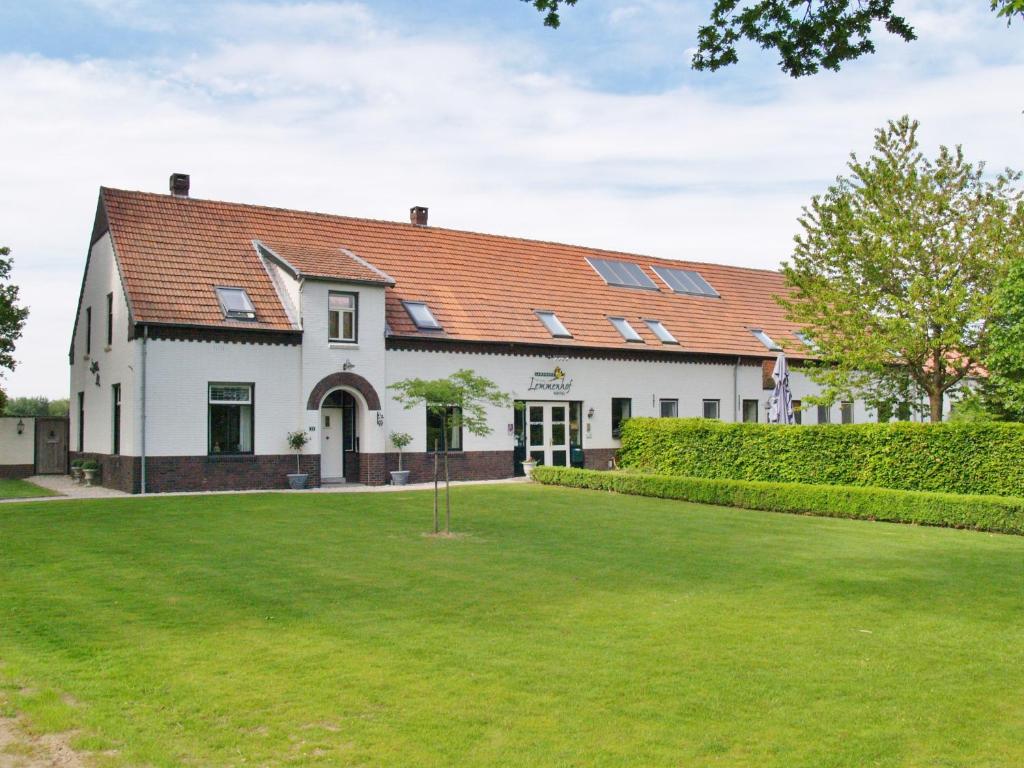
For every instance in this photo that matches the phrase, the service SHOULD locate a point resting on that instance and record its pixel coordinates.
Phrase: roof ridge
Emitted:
(418, 228)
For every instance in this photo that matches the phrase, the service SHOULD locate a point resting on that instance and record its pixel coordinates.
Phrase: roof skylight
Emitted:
(765, 339)
(658, 329)
(685, 281)
(804, 339)
(623, 274)
(623, 327)
(235, 303)
(422, 316)
(553, 324)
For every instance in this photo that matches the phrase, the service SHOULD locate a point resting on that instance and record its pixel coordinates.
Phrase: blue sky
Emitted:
(596, 133)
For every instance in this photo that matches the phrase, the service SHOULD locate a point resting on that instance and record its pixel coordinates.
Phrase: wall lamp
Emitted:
(21, 427)
(380, 419)
(348, 365)
(590, 413)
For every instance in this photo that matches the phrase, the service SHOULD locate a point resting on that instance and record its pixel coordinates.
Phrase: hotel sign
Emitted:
(555, 382)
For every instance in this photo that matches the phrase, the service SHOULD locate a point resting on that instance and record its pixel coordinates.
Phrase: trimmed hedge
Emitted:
(966, 458)
(999, 514)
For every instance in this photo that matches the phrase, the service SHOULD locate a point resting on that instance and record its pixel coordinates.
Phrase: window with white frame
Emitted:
(230, 419)
(712, 409)
(342, 316)
(669, 408)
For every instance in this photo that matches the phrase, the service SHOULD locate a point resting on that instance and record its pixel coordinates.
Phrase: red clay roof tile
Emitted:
(173, 251)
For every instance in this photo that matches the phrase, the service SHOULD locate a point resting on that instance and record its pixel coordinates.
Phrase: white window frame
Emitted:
(674, 402)
(354, 311)
(718, 408)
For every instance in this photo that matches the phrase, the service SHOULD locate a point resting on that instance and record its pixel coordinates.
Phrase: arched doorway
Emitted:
(339, 437)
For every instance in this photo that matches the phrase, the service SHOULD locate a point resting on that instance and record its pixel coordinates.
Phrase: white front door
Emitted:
(547, 433)
(332, 444)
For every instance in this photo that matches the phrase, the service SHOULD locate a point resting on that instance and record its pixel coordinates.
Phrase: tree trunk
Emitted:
(447, 493)
(447, 488)
(935, 403)
(436, 525)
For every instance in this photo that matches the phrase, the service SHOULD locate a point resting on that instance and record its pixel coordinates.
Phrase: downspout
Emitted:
(736, 390)
(145, 335)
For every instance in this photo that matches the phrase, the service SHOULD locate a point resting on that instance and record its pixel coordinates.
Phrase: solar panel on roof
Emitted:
(685, 281)
(623, 274)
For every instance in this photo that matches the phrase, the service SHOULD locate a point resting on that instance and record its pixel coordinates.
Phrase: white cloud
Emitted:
(329, 107)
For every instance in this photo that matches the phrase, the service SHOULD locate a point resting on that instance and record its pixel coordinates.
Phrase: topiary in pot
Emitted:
(400, 440)
(297, 441)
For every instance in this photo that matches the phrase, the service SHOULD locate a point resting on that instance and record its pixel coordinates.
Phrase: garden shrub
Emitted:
(1001, 514)
(974, 458)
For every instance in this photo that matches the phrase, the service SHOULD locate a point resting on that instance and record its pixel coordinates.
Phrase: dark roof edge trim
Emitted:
(419, 344)
(209, 333)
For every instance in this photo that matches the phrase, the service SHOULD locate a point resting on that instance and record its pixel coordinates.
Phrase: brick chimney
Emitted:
(418, 215)
(179, 184)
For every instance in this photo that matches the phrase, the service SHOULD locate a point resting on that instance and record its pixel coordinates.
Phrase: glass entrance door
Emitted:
(547, 433)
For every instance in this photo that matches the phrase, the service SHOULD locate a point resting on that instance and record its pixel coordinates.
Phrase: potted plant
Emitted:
(89, 469)
(76, 470)
(400, 440)
(528, 464)
(297, 441)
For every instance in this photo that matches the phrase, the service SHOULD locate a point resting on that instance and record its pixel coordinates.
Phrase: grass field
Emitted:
(19, 489)
(564, 628)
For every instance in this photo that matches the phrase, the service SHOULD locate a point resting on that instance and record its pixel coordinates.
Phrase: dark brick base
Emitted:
(16, 471)
(118, 472)
(598, 458)
(165, 474)
(226, 473)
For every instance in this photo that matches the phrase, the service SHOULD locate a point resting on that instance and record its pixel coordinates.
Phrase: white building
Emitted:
(207, 331)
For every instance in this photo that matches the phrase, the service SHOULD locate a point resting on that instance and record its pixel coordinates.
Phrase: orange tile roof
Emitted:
(483, 288)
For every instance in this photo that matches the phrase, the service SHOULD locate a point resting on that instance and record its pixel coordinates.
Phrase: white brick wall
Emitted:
(118, 362)
(15, 448)
(178, 374)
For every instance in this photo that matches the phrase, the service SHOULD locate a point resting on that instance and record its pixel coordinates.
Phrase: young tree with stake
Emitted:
(460, 401)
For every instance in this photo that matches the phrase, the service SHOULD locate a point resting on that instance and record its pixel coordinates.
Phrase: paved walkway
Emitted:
(64, 485)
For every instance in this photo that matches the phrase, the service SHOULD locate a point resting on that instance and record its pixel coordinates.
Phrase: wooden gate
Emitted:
(52, 445)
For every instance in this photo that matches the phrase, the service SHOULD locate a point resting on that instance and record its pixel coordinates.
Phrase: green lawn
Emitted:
(566, 628)
(19, 489)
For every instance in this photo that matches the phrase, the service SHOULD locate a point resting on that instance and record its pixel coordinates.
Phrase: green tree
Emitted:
(35, 406)
(12, 317)
(808, 35)
(1001, 392)
(894, 275)
(460, 400)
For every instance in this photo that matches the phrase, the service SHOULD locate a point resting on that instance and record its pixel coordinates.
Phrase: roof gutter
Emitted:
(142, 449)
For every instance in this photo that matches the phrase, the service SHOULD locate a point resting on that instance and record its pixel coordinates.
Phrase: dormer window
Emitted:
(236, 304)
(422, 316)
(658, 329)
(765, 339)
(553, 324)
(625, 329)
(342, 323)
